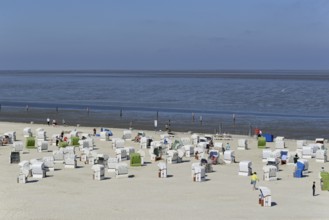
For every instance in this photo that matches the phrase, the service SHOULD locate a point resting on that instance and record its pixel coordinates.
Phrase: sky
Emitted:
(164, 34)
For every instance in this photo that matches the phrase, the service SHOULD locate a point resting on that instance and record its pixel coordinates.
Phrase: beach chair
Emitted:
(118, 143)
(38, 169)
(98, 172)
(274, 161)
(269, 173)
(70, 160)
(321, 156)
(129, 150)
(111, 164)
(102, 159)
(266, 153)
(214, 156)
(265, 199)
(104, 136)
(127, 135)
(307, 152)
(189, 150)
(27, 132)
(300, 144)
(14, 157)
(186, 141)
(25, 171)
(42, 145)
(162, 170)
(199, 173)
(18, 146)
(229, 156)
(261, 142)
(245, 168)
(121, 170)
(58, 156)
(49, 163)
(121, 154)
(172, 156)
(41, 135)
(242, 144)
(135, 160)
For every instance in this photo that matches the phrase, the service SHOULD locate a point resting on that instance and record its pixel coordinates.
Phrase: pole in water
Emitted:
(193, 116)
(121, 113)
(157, 115)
(200, 119)
(233, 120)
(27, 108)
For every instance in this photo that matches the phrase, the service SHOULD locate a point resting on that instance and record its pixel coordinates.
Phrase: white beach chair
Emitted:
(42, 145)
(189, 150)
(242, 144)
(111, 164)
(172, 156)
(27, 132)
(98, 172)
(49, 163)
(245, 168)
(162, 170)
(121, 170)
(127, 135)
(70, 160)
(18, 146)
(270, 173)
(321, 156)
(38, 169)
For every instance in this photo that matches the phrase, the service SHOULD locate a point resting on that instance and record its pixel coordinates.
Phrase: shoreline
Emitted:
(293, 129)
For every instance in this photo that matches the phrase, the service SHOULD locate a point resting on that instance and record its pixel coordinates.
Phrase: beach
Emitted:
(73, 194)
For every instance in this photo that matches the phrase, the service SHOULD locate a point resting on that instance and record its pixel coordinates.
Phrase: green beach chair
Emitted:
(261, 142)
(135, 160)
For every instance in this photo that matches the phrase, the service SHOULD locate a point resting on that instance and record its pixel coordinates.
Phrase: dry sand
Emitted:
(73, 194)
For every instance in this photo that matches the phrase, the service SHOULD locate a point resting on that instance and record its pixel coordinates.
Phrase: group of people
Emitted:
(54, 122)
(60, 138)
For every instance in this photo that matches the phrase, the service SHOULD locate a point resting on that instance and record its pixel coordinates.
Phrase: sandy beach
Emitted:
(73, 194)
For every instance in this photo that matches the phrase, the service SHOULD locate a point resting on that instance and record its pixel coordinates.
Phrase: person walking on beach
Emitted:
(313, 188)
(48, 121)
(254, 179)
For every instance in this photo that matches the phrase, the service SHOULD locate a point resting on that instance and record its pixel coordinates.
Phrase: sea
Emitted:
(293, 104)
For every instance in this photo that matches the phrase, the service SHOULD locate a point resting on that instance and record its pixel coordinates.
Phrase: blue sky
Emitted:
(164, 35)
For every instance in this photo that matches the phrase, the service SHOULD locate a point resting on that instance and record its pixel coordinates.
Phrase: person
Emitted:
(260, 133)
(313, 188)
(296, 158)
(254, 179)
(94, 131)
(63, 122)
(57, 140)
(48, 121)
(54, 122)
(196, 155)
(62, 135)
(223, 150)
